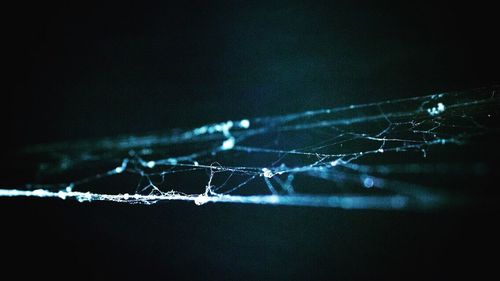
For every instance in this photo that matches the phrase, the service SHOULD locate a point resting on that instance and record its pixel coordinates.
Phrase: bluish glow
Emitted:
(267, 173)
(278, 160)
(437, 109)
(228, 144)
(121, 168)
(368, 182)
(343, 201)
(245, 124)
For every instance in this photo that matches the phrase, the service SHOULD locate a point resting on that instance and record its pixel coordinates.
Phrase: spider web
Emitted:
(388, 155)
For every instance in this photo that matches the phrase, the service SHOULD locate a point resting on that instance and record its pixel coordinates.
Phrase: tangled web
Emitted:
(386, 155)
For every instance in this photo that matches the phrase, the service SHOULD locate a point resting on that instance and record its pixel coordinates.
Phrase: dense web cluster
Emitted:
(386, 155)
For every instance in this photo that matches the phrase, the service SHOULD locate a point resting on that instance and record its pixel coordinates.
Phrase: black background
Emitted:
(86, 70)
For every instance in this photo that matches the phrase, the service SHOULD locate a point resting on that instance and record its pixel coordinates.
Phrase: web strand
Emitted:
(357, 157)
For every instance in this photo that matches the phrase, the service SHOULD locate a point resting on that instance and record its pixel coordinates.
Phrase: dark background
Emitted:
(86, 70)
